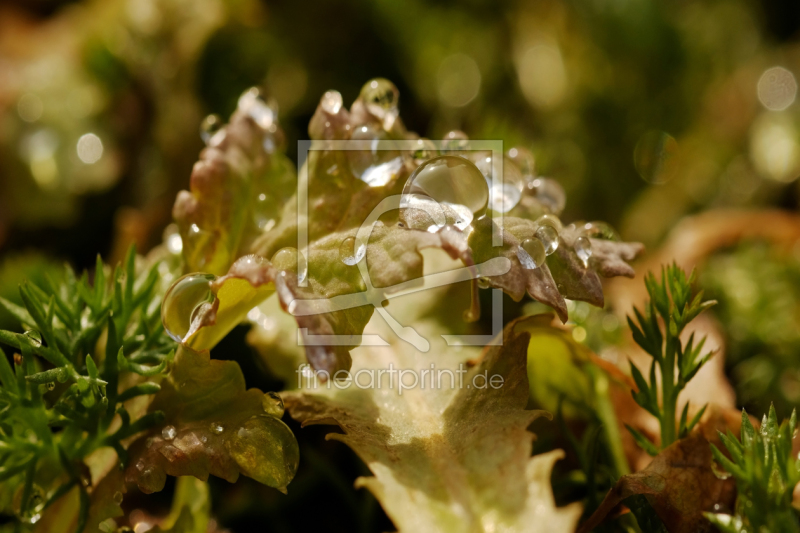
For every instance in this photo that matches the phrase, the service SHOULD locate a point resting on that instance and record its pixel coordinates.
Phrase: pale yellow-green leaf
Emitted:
(444, 459)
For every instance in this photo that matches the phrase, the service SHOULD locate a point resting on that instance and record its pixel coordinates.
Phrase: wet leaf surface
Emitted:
(563, 275)
(212, 425)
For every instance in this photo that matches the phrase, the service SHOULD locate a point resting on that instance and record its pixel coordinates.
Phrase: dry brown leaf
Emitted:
(679, 484)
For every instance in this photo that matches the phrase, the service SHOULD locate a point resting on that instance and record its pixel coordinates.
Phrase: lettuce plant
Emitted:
(443, 459)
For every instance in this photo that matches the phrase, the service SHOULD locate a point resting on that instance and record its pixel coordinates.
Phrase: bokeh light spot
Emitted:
(774, 148)
(90, 148)
(30, 107)
(458, 80)
(777, 89)
(542, 75)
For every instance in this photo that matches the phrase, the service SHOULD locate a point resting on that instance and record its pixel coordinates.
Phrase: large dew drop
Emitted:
(376, 166)
(380, 96)
(599, 230)
(583, 248)
(183, 301)
(549, 238)
(265, 450)
(531, 253)
(450, 189)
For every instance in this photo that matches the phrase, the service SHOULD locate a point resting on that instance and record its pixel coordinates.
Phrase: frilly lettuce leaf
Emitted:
(338, 203)
(563, 275)
(235, 179)
(463, 461)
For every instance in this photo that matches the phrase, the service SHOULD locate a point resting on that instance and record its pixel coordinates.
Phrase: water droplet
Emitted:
(331, 102)
(171, 238)
(183, 301)
(504, 197)
(264, 113)
(265, 450)
(50, 385)
(456, 142)
(549, 193)
(376, 167)
(168, 433)
(523, 159)
(720, 472)
(209, 127)
(201, 240)
(550, 220)
(265, 210)
(35, 337)
(483, 283)
(216, 428)
(450, 189)
(285, 259)
(425, 149)
(655, 157)
(381, 97)
(30, 512)
(549, 237)
(583, 247)
(531, 253)
(152, 479)
(600, 230)
(118, 497)
(273, 404)
(348, 253)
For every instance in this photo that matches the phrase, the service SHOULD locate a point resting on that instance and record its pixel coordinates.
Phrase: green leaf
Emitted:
(138, 390)
(643, 442)
(212, 425)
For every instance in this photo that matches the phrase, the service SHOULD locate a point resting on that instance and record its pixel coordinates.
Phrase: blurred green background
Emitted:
(646, 112)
